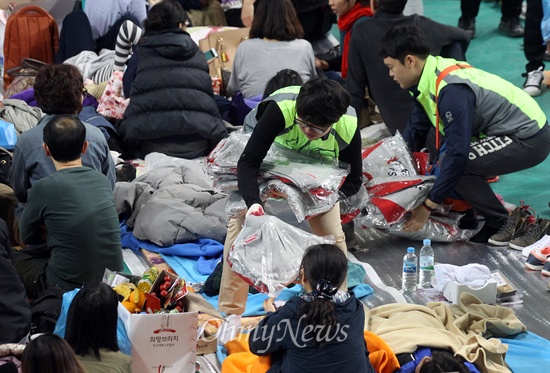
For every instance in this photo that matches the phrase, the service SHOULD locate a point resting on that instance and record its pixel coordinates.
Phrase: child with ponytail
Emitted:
(320, 330)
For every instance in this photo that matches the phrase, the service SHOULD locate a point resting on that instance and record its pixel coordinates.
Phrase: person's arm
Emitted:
(107, 164)
(357, 79)
(247, 12)
(417, 128)
(269, 126)
(31, 222)
(130, 74)
(352, 155)
(20, 180)
(456, 105)
(269, 335)
(128, 35)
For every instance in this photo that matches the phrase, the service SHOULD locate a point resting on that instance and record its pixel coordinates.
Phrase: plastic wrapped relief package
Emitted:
(387, 158)
(310, 185)
(267, 252)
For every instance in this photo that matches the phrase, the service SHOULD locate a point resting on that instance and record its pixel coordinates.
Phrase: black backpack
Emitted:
(45, 311)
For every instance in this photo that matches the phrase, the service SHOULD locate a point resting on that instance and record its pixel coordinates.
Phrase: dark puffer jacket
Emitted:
(172, 108)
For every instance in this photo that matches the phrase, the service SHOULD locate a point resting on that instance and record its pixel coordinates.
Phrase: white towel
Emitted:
(473, 275)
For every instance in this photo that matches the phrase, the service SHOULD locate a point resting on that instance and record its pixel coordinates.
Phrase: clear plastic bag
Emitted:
(392, 197)
(389, 157)
(440, 227)
(267, 252)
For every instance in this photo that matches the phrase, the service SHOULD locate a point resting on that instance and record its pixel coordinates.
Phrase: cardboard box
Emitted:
(487, 293)
(163, 342)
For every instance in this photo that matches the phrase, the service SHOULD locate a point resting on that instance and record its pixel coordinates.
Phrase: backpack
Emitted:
(31, 32)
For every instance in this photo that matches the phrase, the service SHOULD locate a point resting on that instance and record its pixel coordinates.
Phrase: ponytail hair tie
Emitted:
(324, 290)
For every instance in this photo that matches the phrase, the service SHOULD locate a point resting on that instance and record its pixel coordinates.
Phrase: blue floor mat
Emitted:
(528, 353)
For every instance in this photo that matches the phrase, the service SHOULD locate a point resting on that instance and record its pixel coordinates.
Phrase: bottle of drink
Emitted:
(426, 265)
(410, 263)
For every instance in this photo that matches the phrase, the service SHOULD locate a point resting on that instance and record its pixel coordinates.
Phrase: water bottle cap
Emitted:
(410, 250)
(427, 242)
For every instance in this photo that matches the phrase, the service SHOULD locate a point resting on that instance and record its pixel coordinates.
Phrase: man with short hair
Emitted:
(366, 69)
(73, 210)
(58, 89)
(489, 126)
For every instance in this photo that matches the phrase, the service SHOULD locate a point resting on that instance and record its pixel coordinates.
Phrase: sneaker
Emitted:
(533, 82)
(468, 25)
(546, 268)
(506, 233)
(541, 243)
(512, 27)
(537, 259)
(229, 329)
(535, 231)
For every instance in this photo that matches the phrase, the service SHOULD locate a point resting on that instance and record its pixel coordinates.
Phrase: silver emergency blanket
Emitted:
(268, 252)
(309, 184)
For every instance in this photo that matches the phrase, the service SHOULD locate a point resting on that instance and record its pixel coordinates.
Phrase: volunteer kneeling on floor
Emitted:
(313, 119)
(490, 126)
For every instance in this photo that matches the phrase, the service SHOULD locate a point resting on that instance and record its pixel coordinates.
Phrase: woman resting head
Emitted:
(49, 353)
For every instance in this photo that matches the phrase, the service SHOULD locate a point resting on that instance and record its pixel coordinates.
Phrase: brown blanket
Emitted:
(466, 328)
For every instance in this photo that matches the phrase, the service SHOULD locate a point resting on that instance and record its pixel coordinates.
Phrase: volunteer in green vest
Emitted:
(489, 126)
(313, 119)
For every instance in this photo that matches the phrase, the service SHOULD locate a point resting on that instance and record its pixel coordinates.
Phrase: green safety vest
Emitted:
(501, 108)
(329, 146)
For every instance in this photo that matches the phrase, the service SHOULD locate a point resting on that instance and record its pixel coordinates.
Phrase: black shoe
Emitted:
(512, 27)
(469, 25)
(469, 220)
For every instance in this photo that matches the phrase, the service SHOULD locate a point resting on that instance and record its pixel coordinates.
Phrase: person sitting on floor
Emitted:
(92, 330)
(172, 108)
(489, 126)
(58, 89)
(49, 353)
(275, 43)
(73, 210)
(328, 324)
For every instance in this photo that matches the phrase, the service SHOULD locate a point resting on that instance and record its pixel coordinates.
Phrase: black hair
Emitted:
(323, 263)
(392, 6)
(403, 40)
(49, 353)
(165, 15)
(277, 20)
(322, 101)
(65, 136)
(92, 320)
(284, 78)
(444, 361)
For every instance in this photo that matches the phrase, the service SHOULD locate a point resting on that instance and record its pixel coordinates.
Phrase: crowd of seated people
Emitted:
(60, 192)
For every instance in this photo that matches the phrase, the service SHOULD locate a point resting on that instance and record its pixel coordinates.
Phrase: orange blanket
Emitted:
(241, 360)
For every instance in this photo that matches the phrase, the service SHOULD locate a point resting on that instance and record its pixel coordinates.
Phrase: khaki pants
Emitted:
(234, 291)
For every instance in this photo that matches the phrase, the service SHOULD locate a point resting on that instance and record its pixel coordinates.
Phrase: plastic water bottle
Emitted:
(426, 265)
(410, 263)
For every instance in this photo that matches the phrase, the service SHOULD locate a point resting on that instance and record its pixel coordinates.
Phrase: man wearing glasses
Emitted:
(314, 119)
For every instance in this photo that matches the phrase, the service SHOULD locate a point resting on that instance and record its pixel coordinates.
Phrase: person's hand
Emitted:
(247, 12)
(256, 210)
(321, 64)
(417, 220)
(268, 305)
